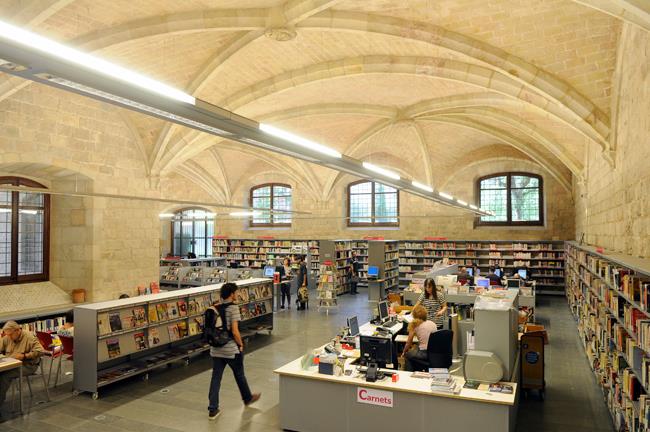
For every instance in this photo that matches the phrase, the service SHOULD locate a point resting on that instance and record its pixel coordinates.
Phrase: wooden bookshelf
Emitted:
(609, 294)
(385, 255)
(119, 339)
(339, 253)
(544, 259)
(360, 247)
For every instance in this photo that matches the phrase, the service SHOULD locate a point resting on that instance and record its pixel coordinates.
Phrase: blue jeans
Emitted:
(237, 366)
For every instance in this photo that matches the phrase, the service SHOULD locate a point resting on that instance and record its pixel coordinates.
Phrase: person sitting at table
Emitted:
(23, 346)
(463, 276)
(434, 301)
(494, 278)
(422, 328)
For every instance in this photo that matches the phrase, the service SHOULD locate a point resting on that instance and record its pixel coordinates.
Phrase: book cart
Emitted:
(327, 289)
(118, 339)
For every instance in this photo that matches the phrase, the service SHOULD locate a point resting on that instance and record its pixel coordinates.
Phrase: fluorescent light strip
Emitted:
(295, 139)
(461, 202)
(422, 186)
(137, 105)
(50, 47)
(166, 215)
(445, 195)
(245, 214)
(473, 207)
(380, 170)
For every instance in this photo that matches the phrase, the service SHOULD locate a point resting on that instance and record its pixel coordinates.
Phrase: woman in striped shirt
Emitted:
(434, 301)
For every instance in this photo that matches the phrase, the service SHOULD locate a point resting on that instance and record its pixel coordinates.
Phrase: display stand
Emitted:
(118, 339)
(177, 277)
(327, 290)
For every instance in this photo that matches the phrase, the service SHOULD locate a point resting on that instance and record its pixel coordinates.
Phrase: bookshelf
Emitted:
(339, 253)
(47, 319)
(176, 277)
(255, 253)
(214, 261)
(610, 296)
(385, 255)
(544, 259)
(360, 247)
(119, 339)
(327, 289)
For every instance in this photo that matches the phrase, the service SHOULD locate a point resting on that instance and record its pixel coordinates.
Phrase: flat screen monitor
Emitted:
(514, 283)
(383, 310)
(373, 272)
(498, 272)
(268, 271)
(482, 282)
(353, 324)
(470, 271)
(523, 273)
(376, 350)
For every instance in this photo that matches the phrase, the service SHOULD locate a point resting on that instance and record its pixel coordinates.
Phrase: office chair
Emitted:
(439, 349)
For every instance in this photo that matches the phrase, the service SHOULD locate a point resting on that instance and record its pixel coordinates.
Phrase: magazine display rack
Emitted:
(119, 339)
(327, 289)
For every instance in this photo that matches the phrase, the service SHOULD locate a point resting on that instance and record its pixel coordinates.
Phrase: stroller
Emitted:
(303, 298)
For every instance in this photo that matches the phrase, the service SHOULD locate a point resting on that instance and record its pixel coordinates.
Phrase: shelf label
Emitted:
(375, 397)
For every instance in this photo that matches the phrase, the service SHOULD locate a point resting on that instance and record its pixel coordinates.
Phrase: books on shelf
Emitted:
(154, 337)
(115, 321)
(139, 316)
(103, 326)
(140, 341)
(173, 332)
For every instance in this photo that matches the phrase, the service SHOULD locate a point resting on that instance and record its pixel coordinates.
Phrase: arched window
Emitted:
(372, 204)
(192, 231)
(274, 196)
(24, 233)
(515, 198)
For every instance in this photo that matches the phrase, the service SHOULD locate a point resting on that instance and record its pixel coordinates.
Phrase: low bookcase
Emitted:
(118, 339)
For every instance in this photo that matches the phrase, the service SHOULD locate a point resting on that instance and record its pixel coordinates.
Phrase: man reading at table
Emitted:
(22, 346)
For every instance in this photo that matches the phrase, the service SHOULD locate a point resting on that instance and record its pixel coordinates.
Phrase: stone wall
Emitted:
(613, 210)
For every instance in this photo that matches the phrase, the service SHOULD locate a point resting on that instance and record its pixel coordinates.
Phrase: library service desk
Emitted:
(314, 402)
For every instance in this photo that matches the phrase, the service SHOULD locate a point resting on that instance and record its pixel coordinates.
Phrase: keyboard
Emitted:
(390, 323)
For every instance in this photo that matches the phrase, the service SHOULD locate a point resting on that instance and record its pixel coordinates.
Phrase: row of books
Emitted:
(253, 293)
(255, 309)
(50, 325)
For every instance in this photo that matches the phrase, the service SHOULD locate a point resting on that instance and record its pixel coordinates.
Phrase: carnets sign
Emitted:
(375, 397)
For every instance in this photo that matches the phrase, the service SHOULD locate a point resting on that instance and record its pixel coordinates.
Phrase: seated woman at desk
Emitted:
(422, 328)
(434, 301)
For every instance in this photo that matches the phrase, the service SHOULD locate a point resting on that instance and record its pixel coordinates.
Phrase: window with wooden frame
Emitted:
(192, 231)
(516, 198)
(273, 196)
(24, 233)
(372, 204)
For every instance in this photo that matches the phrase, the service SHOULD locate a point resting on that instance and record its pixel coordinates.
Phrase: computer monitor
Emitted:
(514, 283)
(483, 282)
(353, 325)
(376, 350)
(498, 272)
(373, 272)
(523, 273)
(269, 271)
(470, 271)
(383, 311)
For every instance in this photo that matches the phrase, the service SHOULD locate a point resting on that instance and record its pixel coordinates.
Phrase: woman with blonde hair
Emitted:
(422, 328)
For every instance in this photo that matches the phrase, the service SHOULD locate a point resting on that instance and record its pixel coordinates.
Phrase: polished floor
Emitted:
(175, 399)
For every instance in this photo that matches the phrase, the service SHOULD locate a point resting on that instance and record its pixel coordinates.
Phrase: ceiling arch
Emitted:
(514, 67)
(632, 11)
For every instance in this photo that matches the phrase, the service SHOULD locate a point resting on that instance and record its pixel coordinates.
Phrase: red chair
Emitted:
(52, 351)
(68, 346)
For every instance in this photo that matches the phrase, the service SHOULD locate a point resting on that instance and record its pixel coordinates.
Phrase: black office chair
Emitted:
(439, 349)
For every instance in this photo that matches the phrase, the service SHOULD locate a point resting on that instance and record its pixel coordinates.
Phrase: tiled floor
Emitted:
(175, 399)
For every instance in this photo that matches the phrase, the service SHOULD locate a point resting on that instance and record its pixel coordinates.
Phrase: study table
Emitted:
(10, 363)
(314, 402)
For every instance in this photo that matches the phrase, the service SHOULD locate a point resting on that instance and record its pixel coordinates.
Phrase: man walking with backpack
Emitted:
(226, 348)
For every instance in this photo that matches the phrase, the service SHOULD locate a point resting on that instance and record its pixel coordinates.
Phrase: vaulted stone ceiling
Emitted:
(421, 86)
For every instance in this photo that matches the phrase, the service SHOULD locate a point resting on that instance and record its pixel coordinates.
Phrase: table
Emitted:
(9, 363)
(313, 402)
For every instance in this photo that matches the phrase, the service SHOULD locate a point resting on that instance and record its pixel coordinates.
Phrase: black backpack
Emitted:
(213, 335)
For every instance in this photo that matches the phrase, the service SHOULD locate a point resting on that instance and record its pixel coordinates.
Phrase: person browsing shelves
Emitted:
(231, 354)
(434, 301)
(23, 346)
(422, 328)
